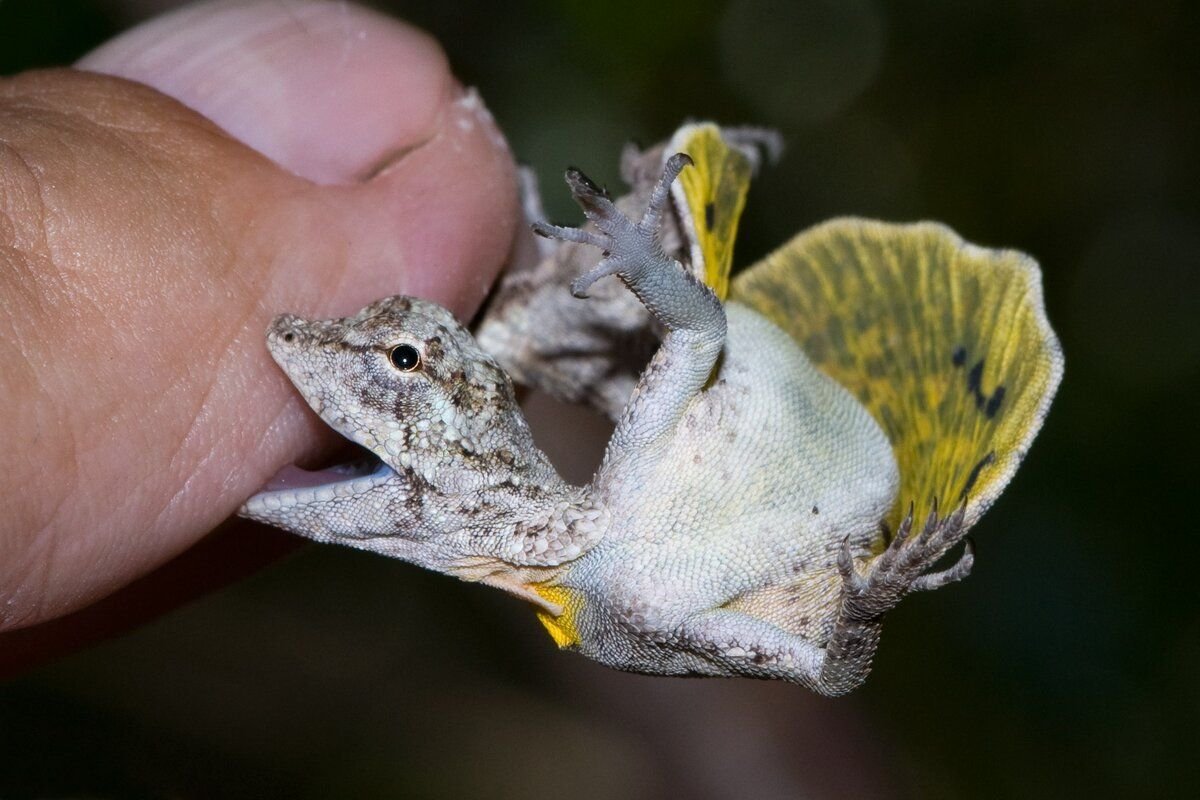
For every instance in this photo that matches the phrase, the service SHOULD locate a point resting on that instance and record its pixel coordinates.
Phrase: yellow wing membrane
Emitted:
(710, 196)
(945, 343)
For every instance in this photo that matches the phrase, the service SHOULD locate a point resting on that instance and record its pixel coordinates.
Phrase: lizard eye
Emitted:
(405, 357)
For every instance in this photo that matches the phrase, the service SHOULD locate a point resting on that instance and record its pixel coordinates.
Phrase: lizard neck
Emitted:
(530, 535)
(456, 459)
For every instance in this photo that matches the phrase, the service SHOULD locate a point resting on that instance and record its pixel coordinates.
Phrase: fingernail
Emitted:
(330, 91)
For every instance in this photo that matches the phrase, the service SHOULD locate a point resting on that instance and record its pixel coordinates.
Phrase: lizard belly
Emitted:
(770, 469)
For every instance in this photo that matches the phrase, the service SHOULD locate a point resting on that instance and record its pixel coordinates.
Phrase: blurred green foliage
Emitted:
(1064, 667)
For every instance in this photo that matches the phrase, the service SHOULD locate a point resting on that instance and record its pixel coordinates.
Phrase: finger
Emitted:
(342, 95)
(326, 90)
(146, 252)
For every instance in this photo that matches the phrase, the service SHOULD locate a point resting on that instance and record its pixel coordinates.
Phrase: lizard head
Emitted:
(455, 483)
(406, 381)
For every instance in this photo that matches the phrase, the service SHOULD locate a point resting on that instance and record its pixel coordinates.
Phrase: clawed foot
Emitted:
(901, 568)
(629, 247)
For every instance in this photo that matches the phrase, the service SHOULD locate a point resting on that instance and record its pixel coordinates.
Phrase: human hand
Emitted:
(143, 250)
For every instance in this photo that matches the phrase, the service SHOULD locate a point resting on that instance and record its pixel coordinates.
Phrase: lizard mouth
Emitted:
(294, 477)
(293, 485)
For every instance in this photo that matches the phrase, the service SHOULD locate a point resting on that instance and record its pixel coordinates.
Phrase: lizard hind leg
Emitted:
(739, 643)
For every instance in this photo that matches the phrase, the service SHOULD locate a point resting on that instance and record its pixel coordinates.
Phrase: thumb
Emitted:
(343, 96)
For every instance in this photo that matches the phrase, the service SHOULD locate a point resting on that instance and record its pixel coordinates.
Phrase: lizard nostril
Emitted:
(289, 337)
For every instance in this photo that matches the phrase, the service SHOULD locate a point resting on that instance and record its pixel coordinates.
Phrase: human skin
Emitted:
(300, 157)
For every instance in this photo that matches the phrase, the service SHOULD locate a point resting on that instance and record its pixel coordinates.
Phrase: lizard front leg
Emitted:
(688, 310)
(589, 353)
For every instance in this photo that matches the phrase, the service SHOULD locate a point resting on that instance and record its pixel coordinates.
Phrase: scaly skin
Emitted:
(728, 530)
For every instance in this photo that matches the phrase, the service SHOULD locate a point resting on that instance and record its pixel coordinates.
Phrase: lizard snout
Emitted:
(286, 338)
(285, 329)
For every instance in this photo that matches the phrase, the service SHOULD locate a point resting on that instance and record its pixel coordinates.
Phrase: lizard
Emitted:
(755, 513)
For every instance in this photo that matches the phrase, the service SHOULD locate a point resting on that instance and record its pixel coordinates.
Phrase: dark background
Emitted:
(1066, 666)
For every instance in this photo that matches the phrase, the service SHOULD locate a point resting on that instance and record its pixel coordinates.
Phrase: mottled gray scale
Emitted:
(733, 526)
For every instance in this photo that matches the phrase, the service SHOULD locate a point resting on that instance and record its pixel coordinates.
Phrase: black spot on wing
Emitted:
(710, 216)
(993, 403)
(973, 478)
(988, 404)
(975, 382)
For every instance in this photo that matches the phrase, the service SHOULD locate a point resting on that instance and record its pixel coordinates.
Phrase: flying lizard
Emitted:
(794, 450)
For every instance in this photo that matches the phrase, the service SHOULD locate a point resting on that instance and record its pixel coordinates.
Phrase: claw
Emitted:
(591, 198)
(960, 570)
(906, 524)
(949, 531)
(581, 184)
(932, 525)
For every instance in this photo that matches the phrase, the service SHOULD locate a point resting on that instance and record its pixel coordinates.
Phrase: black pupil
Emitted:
(405, 357)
